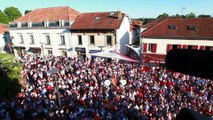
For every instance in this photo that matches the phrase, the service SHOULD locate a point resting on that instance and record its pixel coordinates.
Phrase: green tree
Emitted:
(163, 15)
(27, 11)
(204, 16)
(10, 76)
(12, 13)
(191, 15)
(3, 18)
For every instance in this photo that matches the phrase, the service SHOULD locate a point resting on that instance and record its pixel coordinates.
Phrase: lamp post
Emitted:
(53, 71)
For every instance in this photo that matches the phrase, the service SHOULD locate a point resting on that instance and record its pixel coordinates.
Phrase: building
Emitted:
(99, 31)
(165, 34)
(45, 31)
(135, 29)
(3, 38)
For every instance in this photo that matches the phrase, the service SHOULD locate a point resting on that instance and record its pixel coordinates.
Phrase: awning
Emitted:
(62, 48)
(80, 49)
(34, 50)
(114, 55)
(94, 51)
(70, 49)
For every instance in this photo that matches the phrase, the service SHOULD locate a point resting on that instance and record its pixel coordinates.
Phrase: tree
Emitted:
(163, 15)
(3, 18)
(27, 11)
(12, 13)
(204, 16)
(10, 76)
(191, 15)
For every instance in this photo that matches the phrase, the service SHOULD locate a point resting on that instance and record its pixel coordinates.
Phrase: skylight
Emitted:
(191, 27)
(97, 18)
(172, 27)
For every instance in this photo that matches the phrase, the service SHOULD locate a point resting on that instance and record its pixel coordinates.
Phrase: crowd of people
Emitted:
(98, 89)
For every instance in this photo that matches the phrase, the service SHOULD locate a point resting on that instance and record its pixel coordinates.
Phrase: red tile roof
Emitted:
(51, 14)
(155, 22)
(98, 20)
(3, 28)
(203, 28)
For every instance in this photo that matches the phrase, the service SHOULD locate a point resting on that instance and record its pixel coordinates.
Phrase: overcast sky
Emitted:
(133, 8)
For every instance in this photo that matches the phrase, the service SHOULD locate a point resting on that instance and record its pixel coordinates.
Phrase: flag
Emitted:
(114, 80)
(137, 50)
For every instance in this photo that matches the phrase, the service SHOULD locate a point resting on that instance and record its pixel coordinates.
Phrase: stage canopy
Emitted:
(114, 55)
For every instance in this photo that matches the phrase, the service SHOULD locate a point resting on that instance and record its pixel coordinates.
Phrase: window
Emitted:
(97, 18)
(174, 46)
(79, 40)
(172, 27)
(50, 52)
(109, 40)
(190, 47)
(48, 40)
(21, 39)
(92, 40)
(62, 40)
(32, 39)
(152, 47)
(191, 28)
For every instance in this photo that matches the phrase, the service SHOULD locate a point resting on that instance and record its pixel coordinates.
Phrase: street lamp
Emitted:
(53, 71)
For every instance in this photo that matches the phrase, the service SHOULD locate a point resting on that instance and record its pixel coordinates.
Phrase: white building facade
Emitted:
(44, 31)
(102, 31)
(43, 40)
(177, 33)
(4, 38)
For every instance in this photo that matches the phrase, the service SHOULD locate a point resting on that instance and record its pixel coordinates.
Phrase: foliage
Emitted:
(204, 16)
(12, 13)
(27, 11)
(3, 18)
(163, 15)
(10, 76)
(191, 15)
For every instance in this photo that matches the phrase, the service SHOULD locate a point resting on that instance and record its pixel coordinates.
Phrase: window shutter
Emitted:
(202, 47)
(169, 47)
(154, 48)
(145, 47)
(195, 47)
(185, 46)
(179, 46)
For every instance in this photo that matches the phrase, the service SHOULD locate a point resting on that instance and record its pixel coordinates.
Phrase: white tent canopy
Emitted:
(114, 55)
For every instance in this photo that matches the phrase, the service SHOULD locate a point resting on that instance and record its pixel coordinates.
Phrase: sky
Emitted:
(133, 8)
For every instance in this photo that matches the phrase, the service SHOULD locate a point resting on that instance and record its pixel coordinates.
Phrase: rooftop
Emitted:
(98, 20)
(181, 28)
(50, 14)
(3, 28)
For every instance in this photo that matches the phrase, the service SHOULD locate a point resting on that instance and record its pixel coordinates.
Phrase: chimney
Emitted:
(119, 15)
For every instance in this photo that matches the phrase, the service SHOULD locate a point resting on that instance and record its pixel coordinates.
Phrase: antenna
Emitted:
(183, 9)
(118, 7)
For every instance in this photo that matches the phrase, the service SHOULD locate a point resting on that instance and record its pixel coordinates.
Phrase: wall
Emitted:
(123, 35)
(2, 42)
(162, 43)
(100, 41)
(39, 37)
